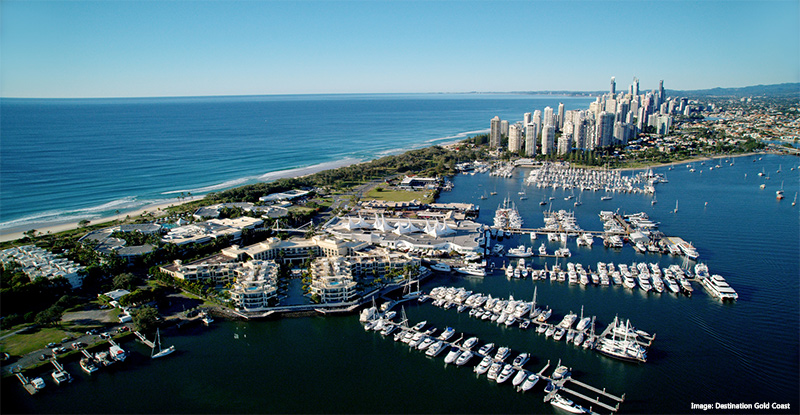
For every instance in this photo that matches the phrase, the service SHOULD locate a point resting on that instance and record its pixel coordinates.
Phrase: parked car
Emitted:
(78, 345)
(105, 335)
(59, 350)
(52, 345)
(44, 356)
(92, 331)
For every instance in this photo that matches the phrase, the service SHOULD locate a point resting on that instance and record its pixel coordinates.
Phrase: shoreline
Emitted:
(44, 228)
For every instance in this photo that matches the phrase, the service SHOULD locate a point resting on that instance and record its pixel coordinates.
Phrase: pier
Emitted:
(26, 383)
(559, 384)
(144, 339)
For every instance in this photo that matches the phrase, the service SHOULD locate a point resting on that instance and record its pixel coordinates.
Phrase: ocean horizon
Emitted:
(66, 160)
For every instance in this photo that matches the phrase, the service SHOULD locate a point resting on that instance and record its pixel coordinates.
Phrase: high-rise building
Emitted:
(494, 133)
(504, 128)
(564, 144)
(613, 86)
(611, 105)
(537, 119)
(622, 132)
(560, 121)
(527, 118)
(604, 129)
(635, 86)
(531, 133)
(548, 139)
(661, 96)
(547, 117)
(514, 137)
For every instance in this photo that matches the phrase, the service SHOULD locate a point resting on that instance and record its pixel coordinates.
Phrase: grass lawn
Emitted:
(24, 343)
(397, 195)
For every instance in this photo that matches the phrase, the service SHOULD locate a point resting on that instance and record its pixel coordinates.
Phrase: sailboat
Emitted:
(483, 196)
(578, 202)
(779, 193)
(795, 199)
(161, 352)
(654, 201)
(676, 207)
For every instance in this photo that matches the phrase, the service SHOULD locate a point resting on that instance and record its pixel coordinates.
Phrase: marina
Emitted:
(490, 364)
(691, 330)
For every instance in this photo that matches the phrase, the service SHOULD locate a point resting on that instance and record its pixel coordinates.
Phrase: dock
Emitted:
(560, 384)
(26, 383)
(144, 339)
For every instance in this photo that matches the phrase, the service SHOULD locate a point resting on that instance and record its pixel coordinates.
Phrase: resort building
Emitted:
(214, 270)
(37, 262)
(212, 229)
(294, 250)
(256, 285)
(408, 234)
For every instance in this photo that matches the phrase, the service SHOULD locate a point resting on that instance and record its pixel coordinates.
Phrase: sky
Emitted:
(77, 49)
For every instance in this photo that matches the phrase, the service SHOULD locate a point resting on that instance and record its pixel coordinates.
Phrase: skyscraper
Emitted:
(564, 144)
(527, 118)
(514, 137)
(547, 117)
(604, 129)
(560, 123)
(661, 96)
(548, 138)
(494, 133)
(531, 133)
(613, 86)
(635, 86)
(504, 128)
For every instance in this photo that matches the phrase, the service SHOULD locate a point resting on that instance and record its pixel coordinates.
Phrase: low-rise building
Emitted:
(211, 229)
(214, 270)
(37, 262)
(294, 250)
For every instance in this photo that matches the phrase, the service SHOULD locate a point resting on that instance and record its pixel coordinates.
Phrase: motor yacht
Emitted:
(506, 373)
(483, 366)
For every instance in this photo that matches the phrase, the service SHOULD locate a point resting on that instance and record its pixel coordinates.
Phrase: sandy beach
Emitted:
(61, 227)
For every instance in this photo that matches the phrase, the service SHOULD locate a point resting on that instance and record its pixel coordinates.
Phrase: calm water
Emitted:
(704, 352)
(66, 160)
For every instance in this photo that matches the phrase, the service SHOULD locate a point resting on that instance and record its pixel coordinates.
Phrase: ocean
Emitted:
(64, 160)
(705, 352)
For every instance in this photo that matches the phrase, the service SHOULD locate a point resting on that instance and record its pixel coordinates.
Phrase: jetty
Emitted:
(31, 385)
(559, 384)
(144, 339)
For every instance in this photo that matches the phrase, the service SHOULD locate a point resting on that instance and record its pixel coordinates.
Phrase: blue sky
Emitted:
(179, 48)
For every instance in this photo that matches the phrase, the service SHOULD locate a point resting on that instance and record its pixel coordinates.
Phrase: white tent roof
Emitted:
(382, 225)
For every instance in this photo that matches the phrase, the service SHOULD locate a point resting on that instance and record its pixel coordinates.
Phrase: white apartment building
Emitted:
(37, 262)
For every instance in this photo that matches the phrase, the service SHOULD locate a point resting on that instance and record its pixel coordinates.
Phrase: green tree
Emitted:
(145, 319)
(125, 281)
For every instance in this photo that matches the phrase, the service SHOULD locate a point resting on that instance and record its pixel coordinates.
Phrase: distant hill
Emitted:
(775, 90)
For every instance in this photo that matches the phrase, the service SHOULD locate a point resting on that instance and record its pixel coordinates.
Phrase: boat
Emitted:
(452, 355)
(470, 343)
(494, 370)
(719, 288)
(559, 334)
(435, 349)
(520, 360)
(563, 403)
(426, 342)
(464, 357)
(520, 377)
(688, 250)
(520, 252)
(420, 325)
(606, 198)
(38, 383)
(794, 202)
(486, 349)
(161, 352)
(542, 250)
(551, 329)
(441, 267)
(447, 333)
(506, 373)
(502, 353)
(88, 366)
(484, 365)
(560, 372)
(59, 374)
(529, 382)
(472, 269)
(117, 353)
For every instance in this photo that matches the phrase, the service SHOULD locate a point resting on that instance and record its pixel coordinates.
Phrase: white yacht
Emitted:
(464, 357)
(519, 377)
(470, 343)
(718, 287)
(561, 402)
(502, 353)
(447, 333)
(494, 370)
(441, 267)
(483, 366)
(506, 373)
(542, 250)
(530, 382)
(521, 359)
(486, 349)
(472, 269)
(520, 252)
(560, 372)
(452, 355)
